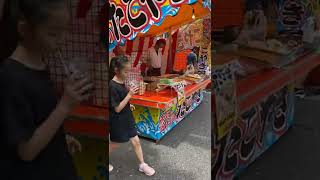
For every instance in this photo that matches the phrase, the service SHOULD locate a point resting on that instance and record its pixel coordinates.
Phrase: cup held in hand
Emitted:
(78, 69)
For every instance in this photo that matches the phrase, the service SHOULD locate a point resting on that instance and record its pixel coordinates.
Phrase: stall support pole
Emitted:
(170, 52)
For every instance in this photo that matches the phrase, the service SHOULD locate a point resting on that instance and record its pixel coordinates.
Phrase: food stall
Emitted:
(157, 113)
(164, 101)
(253, 102)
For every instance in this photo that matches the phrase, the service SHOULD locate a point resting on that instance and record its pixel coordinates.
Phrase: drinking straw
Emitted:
(64, 64)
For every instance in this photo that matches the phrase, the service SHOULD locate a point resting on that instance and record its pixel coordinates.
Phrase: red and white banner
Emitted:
(140, 45)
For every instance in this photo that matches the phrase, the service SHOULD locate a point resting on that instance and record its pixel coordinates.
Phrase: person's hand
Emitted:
(76, 91)
(133, 90)
(73, 144)
(132, 107)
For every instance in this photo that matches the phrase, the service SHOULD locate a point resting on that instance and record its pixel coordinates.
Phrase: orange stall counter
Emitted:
(158, 113)
(266, 103)
(89, 121)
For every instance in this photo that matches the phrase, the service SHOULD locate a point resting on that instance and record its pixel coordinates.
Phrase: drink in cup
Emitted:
(77, 68)
(138, 84)
(142, 87)
(133, 84)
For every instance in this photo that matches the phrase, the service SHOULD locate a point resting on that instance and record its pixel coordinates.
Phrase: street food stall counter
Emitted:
(157, 113)
(265, 112)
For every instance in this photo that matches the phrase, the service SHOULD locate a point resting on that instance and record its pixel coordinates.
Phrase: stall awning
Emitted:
(129, 19)
(183, 17)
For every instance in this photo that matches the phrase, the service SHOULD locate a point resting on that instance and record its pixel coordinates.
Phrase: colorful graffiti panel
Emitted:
(128, 18)
(155, 123)
(172, 116)
(255, 131)
(189, 36)
(294, 17)
(147, 121)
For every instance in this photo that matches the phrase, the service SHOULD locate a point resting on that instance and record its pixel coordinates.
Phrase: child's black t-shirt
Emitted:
(122, 124)
(27, 100)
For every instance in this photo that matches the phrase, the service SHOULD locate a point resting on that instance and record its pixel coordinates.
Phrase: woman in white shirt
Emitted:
(155, 61)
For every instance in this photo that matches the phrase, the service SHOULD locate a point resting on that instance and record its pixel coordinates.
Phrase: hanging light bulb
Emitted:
(193, 16)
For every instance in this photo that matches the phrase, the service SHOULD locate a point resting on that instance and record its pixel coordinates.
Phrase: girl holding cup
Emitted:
(122, 124)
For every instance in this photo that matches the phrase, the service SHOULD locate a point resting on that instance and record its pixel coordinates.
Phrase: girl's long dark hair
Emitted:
(33, 11)
(117, 64)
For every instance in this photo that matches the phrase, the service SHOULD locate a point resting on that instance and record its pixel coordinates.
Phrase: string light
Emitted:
(193, 16)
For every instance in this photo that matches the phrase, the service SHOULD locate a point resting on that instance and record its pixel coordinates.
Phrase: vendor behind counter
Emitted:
(155, 60)
(192, 59)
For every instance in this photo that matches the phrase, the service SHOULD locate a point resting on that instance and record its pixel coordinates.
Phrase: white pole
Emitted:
(170, 51)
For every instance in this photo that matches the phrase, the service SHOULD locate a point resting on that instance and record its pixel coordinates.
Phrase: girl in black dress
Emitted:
(34, 144)
(122, 124)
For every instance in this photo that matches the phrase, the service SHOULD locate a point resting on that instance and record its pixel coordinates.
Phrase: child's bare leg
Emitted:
(137, 148)
(112, 146)
(143, 167)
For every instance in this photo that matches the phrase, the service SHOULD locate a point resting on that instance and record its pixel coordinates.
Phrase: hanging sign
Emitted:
(224, 86)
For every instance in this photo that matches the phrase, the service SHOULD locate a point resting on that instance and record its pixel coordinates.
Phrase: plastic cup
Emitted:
(142, 88)
(77, 68)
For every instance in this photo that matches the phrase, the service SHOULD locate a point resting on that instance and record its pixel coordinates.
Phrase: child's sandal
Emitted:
(146, 169)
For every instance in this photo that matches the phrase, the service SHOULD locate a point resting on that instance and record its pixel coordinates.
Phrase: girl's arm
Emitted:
(126, 100)
(74, 93)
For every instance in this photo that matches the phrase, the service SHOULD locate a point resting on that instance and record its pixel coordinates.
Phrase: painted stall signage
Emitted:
(255, 130)
(129, 17)
(224, 87)
(155, 123)
(294, 15)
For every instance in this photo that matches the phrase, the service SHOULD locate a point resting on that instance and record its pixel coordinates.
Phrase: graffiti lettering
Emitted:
(251, 135)
(155, 122)
(130, 16)
(123, 26)
(176, 2)
(188, 104)
(138, 20)
(251, 119)
(281, 110)
(202, 62)
(197, 96)
(292, 16)
(181, 110)
(166, 118)
(115, 31)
